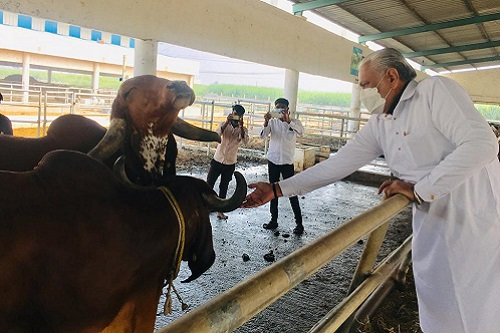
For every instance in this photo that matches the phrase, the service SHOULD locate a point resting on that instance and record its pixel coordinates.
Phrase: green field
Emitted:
(72, 80)
(490, 112)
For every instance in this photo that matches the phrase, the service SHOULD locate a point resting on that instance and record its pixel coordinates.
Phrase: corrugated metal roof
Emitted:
(454, 34)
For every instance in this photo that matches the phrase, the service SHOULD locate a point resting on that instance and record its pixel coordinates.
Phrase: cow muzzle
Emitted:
(200, 264)
(184, 95)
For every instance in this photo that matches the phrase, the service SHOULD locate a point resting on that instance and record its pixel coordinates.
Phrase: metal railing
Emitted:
(45, 104)
(37, 108)
(237, 305)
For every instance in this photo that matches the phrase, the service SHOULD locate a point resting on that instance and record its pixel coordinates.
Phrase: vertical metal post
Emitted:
(365, 266)
(369, 255)
(39, 119)
(124, 67)
(40, 97)
(45, 99)
(73, 102)
(211, 124)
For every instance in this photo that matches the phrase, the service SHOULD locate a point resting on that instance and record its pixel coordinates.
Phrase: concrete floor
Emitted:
(323, 210)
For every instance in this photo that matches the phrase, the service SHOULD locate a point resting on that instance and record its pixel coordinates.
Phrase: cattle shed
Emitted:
(459, 39)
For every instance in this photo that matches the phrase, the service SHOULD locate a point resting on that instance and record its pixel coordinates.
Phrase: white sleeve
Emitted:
(359, 151)
(296, 125)
(264, 131)
(455, 116)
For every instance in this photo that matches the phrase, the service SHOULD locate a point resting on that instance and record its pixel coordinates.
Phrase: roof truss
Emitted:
(430, 27)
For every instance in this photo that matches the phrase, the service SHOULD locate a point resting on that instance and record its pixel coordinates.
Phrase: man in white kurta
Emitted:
(441, 149)
(280, 155)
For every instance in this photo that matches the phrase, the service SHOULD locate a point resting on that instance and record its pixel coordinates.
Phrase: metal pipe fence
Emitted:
(237, 305)
(44, 104)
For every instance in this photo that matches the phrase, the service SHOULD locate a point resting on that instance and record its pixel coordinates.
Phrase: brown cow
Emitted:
(143, 119)
(80, 249)
(5, 123)
(143, 115)
(66, 132)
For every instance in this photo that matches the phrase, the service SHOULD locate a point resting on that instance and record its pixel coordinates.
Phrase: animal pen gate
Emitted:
(45, 103)
(40, 105)
(237, 305)
(318, 121)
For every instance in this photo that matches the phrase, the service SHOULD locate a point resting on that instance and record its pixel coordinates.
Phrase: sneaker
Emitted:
(221, 216)
(299, 229)
(271, 225)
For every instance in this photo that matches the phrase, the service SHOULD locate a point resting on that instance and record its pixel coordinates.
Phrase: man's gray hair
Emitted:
(384, 59)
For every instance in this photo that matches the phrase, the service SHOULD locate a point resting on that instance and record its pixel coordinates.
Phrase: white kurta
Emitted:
(437, 140)
(283, 138)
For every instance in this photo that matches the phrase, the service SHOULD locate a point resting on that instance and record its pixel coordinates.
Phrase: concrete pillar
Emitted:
(146, 57)
(355, 110)
(95, 77)
(291, 89)
(49, 75)
(26, 76)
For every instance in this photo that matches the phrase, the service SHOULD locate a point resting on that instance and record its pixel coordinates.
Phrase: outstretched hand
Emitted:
(263, 193)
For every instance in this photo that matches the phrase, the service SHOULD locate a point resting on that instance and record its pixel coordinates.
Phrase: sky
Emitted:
(219, 69)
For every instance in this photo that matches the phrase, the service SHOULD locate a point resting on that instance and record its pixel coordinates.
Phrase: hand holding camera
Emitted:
(276, 114)
(267, 116)
(234, 117)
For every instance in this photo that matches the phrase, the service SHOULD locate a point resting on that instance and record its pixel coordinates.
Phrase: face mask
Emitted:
(371, 99)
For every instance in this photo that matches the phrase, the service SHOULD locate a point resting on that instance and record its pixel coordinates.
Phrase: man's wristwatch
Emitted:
(274, 190)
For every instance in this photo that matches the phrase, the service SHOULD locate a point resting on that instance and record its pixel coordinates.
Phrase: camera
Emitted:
(276, 114)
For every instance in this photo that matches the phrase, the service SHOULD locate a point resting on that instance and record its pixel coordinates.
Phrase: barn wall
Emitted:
(245, 29)
(482, 86)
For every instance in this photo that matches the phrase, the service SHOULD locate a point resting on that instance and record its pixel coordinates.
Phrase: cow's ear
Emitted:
(127, 93)
(119, 108)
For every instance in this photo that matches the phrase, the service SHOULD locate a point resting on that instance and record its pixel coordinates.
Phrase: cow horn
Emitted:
(111, 141)
(121, 173)
(186, 130)
(226, 205)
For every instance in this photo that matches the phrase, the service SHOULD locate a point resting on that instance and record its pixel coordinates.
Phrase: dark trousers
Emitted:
(287, 171)
(225, 171)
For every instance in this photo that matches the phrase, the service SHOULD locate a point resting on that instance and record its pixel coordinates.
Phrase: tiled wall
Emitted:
(33, 23)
